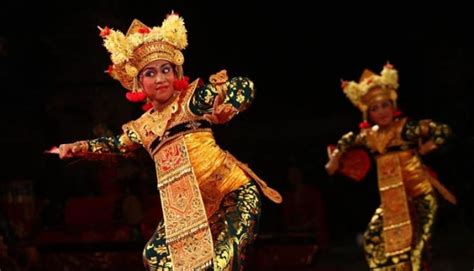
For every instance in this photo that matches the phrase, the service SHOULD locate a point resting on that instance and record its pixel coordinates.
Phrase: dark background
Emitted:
(54, 89)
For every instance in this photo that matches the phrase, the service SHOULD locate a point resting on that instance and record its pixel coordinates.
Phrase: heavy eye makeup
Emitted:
(166, 69)
(149, 72)
(152, 71)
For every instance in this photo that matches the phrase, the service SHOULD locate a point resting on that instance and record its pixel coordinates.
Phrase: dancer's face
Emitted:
(157, 80)
(381, 113)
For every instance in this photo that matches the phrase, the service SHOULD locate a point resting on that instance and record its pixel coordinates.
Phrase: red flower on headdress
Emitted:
(344, 83)
(364, 125)
(104, 32)
(172, 13)
(135, 97)
(110, 69)
(397, 113)
(143, 30)
(147, 106)
(181, 84)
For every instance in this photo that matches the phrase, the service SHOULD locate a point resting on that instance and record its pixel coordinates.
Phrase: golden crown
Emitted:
(372, 87)
(141, 45)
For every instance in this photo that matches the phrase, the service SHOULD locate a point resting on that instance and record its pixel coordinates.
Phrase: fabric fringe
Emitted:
(391, 186)
(401, 224)
(171, 178)
(398, 251)
(181, 236)
(205, 265)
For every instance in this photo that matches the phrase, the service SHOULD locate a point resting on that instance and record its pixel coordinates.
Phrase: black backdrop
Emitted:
(54, 89)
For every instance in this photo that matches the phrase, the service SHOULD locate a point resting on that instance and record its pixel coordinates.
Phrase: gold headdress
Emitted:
(141, 45)
(372, 87)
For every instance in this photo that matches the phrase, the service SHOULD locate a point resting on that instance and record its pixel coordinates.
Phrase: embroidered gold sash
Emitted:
(187, 230)
(397, 227)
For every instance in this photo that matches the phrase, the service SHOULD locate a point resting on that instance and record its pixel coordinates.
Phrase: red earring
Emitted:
(135, 97)
(181, 84)
(364, 125)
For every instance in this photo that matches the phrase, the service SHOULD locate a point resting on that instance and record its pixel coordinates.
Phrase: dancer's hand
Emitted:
(221, 113)
(333, 164)
(72, 149)
(427, 147)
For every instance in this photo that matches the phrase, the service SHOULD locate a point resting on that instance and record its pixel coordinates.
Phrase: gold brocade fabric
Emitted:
(234, 226)
(408, 202)
(218, 172)
(187, 231)
(400, 176)
(416, 259)
(397, 228)
(414, 176)
(215, 170)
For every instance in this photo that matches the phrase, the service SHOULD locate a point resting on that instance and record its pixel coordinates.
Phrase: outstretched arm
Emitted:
(427, 133)
(115, 144)
(348, 140)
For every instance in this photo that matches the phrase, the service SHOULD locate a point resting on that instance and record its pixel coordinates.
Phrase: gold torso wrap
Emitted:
(194, 174)
(401, 175)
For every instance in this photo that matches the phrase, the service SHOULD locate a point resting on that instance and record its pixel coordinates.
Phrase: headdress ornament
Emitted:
(141, 45)
(372, 87)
